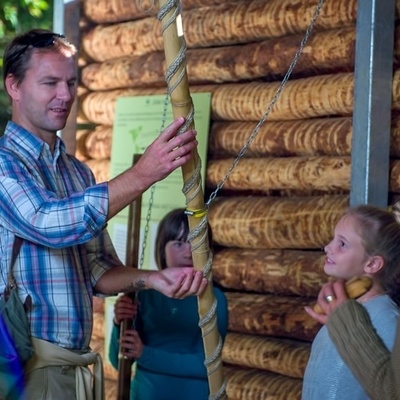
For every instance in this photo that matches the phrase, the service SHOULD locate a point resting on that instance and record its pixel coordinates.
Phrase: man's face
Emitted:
(43, 100)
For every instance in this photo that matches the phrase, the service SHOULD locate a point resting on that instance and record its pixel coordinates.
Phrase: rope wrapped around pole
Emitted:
(182, 105)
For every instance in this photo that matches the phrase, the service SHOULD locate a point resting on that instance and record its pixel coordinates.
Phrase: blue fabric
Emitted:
(11, 371)
(52, 202)
(172, 363)
(327, 377)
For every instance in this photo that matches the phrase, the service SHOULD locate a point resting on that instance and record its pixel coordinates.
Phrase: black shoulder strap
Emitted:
(16, 247)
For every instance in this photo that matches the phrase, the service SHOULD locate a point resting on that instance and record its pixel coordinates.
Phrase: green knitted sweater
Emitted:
(362, 349)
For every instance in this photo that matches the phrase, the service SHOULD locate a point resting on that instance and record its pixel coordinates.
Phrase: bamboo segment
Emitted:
(325, 136)
(104, 43)
(281, 272)
(327, 95)
(270, 315)
(110, 387)
(322, 96)
(328, 174)
(220, 25)
(326, 52)
(395, 136)
(98, 142)
(256, 20)
(109, 11)
(126, 72)
(100, 168)
(182, 105)
(98, 305)
(99, 107)
(106, 11)
(319, 136)
(396, 91)
(97, 345)
(394, 176)
(80, 148)
(285, 357)
(245, 384)
(276, 223)
(309, 137)
(98, 325)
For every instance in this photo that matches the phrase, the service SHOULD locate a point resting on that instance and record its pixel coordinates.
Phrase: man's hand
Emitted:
(331, 296)
(178, 283)
(168, 152)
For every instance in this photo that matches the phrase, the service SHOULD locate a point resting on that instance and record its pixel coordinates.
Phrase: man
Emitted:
(51, 201)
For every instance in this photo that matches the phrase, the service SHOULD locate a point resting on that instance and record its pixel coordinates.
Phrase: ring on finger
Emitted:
(329, 298)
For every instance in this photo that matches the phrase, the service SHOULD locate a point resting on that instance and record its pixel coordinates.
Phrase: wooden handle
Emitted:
(132, 257)
(124, 369)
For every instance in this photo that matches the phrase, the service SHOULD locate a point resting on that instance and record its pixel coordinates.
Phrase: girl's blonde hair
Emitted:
(380, 234)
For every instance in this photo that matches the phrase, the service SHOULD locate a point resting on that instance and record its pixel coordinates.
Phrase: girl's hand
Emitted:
(331, 296)
(131, 344)
(124, 308)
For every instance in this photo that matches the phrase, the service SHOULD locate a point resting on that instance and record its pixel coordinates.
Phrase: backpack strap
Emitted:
(16, 247)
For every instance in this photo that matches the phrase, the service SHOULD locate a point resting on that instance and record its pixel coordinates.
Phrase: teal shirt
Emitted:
(171, 366)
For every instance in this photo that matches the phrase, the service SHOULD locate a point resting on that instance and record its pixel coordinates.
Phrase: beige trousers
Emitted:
(55, 373)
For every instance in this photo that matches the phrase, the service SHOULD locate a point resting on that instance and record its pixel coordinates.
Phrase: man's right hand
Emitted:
(178, 282)
(167, 153)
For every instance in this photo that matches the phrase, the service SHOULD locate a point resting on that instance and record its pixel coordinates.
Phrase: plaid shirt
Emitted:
(53, 203)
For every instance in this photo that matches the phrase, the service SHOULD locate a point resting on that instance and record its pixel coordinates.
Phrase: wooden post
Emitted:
(132, 257)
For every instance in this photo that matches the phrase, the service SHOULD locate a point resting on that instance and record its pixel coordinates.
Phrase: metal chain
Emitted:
(271, 105)
(152, 190)
(163, 122)
(250, 139)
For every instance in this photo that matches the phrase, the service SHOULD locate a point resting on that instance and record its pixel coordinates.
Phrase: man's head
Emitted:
(40, 77)
(19, 52)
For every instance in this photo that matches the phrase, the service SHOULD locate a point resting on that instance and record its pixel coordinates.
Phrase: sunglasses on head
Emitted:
(39, 41)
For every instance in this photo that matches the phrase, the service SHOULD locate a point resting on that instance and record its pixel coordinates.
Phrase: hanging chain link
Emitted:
(152, 190)
(271, 105)
(250, 139)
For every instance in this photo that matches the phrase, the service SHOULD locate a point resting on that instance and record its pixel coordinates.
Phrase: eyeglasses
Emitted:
(39, 41)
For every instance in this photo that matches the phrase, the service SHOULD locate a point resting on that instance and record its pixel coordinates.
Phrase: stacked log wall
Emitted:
(279, 206)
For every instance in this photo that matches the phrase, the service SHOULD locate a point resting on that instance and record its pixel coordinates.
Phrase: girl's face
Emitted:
(178, 254)
(345, 254)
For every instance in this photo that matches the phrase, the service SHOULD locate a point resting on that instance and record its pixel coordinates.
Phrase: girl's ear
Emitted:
(374, 265)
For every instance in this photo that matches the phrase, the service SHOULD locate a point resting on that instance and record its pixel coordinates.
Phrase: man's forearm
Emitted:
(123, 279)
(123, 190)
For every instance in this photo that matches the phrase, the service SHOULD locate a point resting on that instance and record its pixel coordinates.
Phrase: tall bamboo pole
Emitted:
(182, 105)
